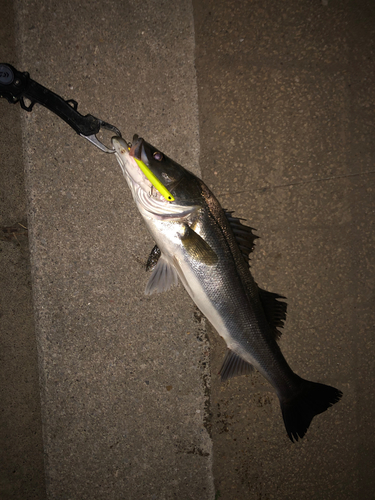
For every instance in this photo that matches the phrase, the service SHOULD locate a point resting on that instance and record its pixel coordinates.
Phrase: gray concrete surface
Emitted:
(285, 94)
(286, 99)
(21, 447)
(123, 379)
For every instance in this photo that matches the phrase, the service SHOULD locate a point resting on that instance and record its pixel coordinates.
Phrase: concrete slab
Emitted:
(21, 450)
(286, 127)
(124, 378)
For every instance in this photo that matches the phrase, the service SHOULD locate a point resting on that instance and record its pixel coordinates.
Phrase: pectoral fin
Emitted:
(162, 278)
(199, 249)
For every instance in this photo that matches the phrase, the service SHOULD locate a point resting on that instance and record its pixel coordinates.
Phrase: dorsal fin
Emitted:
(274, 310)
(243, 234)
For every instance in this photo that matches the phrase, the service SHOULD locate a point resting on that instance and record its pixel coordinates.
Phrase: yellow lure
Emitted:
(154, 180)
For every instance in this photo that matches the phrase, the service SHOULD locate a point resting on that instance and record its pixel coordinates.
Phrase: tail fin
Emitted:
(313, 399)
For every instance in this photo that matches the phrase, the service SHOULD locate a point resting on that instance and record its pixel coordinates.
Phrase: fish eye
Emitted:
(158, 156)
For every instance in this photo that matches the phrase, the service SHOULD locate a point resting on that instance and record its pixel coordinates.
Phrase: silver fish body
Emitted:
(207, 249)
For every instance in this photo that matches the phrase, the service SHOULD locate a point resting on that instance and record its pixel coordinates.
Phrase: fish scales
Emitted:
(207, 249)
(249, 333)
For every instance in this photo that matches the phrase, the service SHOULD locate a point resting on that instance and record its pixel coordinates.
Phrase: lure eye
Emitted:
(158, 156)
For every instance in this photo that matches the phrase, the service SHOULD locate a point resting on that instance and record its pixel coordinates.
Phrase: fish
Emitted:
(207, 248)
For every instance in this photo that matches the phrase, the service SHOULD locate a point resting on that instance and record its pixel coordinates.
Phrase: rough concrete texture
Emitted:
(123, 377)
(21, 448)
(286, 99)
(286, 127)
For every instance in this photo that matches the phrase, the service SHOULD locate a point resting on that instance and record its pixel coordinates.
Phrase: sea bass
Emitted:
(208, 248)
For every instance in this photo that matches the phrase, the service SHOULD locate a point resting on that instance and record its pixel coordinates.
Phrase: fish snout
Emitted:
(136, 147)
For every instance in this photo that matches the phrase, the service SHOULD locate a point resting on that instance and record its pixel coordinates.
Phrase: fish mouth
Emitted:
(151, 203)
(128, 163)
(142, 182)
(137, 149)
(123, 152)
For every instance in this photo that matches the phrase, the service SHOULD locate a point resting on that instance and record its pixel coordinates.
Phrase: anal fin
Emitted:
(234, 365)
(163, 277)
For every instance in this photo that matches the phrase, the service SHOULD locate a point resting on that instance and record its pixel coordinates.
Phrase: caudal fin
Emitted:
(313, 399)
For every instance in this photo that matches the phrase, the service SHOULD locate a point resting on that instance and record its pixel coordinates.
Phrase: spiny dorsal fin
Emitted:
(243, 234)
(234, 365)
(274, 310)
(162, 278)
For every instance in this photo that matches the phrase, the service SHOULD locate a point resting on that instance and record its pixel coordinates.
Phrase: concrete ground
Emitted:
(21, 447)
(108, 394)
(287, 140)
